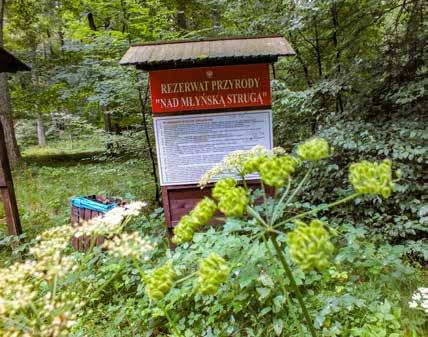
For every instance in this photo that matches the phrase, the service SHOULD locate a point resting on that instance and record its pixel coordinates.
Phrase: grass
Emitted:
(50, 177)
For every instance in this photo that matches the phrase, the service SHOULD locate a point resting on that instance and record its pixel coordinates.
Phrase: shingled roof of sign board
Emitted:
(206, 52)
(9, 63)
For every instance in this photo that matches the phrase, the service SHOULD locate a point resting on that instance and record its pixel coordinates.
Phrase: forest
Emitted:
(334, 242)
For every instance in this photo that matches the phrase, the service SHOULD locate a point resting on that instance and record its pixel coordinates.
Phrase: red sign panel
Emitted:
(223, 87)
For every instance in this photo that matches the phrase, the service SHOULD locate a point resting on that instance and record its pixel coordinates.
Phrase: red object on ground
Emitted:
(209, 88)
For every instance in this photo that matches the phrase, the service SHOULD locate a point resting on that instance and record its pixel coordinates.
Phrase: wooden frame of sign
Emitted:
(209, 98)
(231, 102)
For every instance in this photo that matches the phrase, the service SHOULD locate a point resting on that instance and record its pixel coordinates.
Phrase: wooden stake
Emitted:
(7, 190)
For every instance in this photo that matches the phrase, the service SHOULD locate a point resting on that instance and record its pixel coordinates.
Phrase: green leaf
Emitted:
(278, 326)
(263, 292)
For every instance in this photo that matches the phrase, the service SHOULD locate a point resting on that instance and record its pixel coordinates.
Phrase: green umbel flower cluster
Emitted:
(160, 281)
(372, 178)
(232, 199)
(253, 163)
(198, 217)
(212, 272)
(223, 186)
(313, 149)
(274, 171)
(184, 230)
(204, 211)
(233, 202)
(310, 245)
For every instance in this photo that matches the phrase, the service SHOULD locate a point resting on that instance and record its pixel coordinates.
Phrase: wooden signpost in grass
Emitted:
(209, 98)
(8, 64)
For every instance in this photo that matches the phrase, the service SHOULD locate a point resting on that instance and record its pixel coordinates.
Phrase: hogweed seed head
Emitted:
(314, 149)
(233, 202)
(204, 211)
(234, 163)
(160, 281)
(252, 164)
(310, 245)
(275, 171)
(372, 178)
(212, 272)
(222, 186)
(198, 217)
(184, 230)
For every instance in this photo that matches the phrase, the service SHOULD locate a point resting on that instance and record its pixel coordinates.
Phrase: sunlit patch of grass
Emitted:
(58, 148)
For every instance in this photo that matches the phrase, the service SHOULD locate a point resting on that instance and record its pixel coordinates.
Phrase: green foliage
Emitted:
(357, 80)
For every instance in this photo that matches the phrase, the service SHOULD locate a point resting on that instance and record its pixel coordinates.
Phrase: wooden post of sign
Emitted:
(7, 190)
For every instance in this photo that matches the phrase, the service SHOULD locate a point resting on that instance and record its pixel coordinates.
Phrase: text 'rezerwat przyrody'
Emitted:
(214, 85)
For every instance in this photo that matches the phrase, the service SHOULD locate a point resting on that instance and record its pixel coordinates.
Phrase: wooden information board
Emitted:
(189, 145)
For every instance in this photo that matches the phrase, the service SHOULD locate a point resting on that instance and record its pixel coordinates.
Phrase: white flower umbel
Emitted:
(420, 300)
(129, 245)
(232, 163)
(110, 223)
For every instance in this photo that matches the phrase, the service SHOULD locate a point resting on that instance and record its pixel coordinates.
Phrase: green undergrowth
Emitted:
(364, 291)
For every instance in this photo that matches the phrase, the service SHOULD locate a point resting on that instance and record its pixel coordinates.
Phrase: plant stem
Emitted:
(293, 283)
(319, 208)
(185, 278)
(100, 289)
(54, 286)
(168, 317)
(140, 271)
(297, 190)
(281, 200)
(256, 215)
(244, 182)
(299, 187)
(265, 200)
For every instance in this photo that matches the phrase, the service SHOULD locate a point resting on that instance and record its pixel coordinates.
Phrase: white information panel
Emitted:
(189, 145)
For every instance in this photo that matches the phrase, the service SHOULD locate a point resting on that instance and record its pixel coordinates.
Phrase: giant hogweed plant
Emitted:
(308, 238)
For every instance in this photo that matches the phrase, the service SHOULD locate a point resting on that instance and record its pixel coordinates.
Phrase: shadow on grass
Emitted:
(64, 158)
(70, 159)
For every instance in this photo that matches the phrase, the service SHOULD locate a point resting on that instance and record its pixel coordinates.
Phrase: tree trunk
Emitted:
(6, 107)
(415, 41)
(335, 22)
(41, 134)
(107, 129)
(318, 51)
(54, 122)
(180, 16)
(6, 119)
(107, 122)
(216, 17)
(91, 21)
(300, 59)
